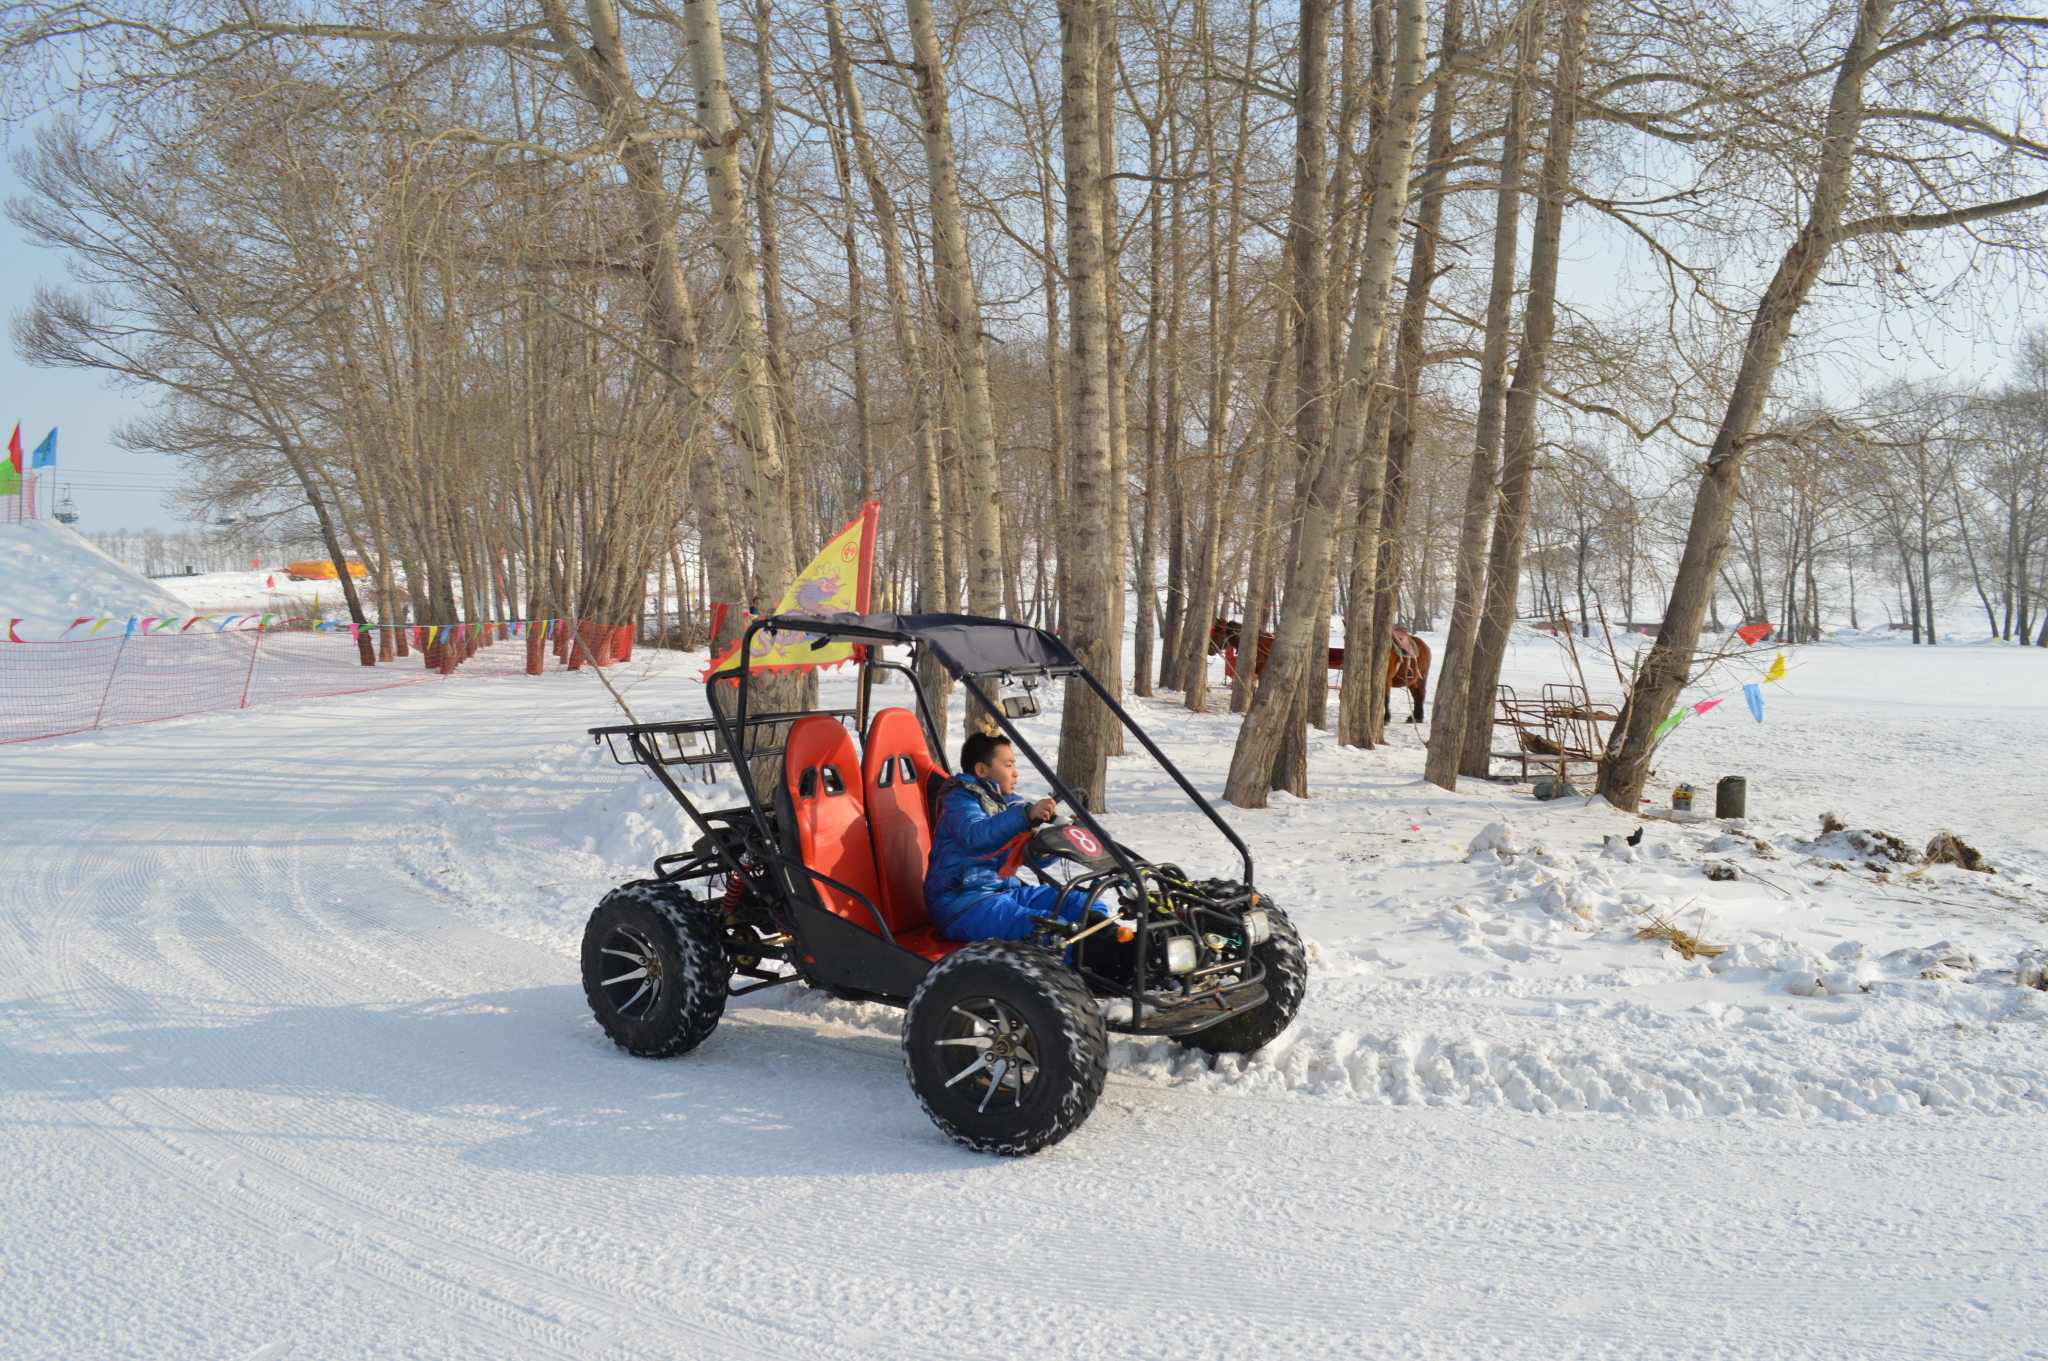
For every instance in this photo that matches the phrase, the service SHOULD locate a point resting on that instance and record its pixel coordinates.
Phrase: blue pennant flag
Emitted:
(1754, 693)
(45, 455)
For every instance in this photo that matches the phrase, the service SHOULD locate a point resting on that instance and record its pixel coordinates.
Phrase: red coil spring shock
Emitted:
(733, 888)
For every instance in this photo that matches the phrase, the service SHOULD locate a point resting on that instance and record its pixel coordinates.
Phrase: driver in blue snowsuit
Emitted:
(979, 815)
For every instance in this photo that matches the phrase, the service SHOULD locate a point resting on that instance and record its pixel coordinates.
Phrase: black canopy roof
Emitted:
(965, 644)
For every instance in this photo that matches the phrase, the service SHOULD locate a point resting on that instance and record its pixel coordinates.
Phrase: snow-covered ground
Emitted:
(297, 1063)
(268, 591)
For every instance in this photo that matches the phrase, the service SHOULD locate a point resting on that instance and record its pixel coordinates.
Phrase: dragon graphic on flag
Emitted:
(837, 581)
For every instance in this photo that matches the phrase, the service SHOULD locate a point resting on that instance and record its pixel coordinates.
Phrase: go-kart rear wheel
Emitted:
(1005, 1048)
(654, 970)
(1286, 981)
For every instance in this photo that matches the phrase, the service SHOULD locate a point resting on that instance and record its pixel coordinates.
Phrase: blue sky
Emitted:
(112, 488)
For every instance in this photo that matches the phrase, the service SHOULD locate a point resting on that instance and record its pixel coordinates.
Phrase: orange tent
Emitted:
(323, 570)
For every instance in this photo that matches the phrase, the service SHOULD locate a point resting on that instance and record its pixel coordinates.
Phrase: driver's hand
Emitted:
(1045, 810)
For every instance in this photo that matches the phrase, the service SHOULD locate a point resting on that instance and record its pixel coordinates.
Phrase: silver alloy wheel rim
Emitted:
(1000, 1049)
(638, 982)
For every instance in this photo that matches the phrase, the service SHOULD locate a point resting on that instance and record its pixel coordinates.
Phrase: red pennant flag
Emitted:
(14, 449)
(1753, 633)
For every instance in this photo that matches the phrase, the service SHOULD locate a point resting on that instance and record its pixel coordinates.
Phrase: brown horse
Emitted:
(1407, 659)
(1408, 669)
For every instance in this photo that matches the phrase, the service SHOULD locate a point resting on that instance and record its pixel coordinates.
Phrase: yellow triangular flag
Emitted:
(1777, 671)
(837, 581)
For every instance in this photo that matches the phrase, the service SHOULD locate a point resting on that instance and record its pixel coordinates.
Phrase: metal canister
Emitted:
(1731, 797)
(1681, 798)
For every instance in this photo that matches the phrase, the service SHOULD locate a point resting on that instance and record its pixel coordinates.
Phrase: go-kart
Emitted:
(819, 880)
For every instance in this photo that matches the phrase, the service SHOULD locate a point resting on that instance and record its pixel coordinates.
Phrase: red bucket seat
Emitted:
(822, 781)
(900, 777)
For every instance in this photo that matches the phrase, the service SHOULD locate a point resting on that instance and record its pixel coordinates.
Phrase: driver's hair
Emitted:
(979, 749)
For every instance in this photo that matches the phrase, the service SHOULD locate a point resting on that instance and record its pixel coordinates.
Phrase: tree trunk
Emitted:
(1308, 254)
(1261, 555)
(775, 323)
(753, 392)
(1145, 573)
(332, 542)
(1520, 435)
(1087, 728)
(1665, 671)
(960, 318)
(1119, 402)
(1362, 698)
(1224, 320)
(1457, 704)
(1259, 739)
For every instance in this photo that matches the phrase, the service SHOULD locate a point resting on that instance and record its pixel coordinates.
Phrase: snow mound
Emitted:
(1496, 838)
(48, 571)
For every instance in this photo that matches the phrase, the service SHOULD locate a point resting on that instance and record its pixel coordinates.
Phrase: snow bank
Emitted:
(50, 572)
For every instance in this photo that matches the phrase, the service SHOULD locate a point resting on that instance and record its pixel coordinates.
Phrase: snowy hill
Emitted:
(48, 571)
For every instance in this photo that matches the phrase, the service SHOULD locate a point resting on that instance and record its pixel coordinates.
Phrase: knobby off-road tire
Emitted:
(654, 970)
(1005, 1048)
(1286, 981)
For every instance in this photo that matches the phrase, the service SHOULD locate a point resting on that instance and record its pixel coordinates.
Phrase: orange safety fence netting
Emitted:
(51, 688)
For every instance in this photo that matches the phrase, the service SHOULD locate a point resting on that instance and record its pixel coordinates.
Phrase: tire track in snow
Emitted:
(235, 904)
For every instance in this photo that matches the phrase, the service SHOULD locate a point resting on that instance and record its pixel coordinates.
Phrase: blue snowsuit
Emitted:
(967, 899)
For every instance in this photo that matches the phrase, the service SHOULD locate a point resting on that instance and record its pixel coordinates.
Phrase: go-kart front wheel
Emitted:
(654, 970)
(1005, 1048)
(1286, 967)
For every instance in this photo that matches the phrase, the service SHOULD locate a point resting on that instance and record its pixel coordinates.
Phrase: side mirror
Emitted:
(1020, 706)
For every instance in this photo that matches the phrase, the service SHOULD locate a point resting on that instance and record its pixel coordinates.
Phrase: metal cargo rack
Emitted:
(697, 741)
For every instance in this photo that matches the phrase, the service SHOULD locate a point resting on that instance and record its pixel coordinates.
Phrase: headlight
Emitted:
(1258, 928)
(1180, 955)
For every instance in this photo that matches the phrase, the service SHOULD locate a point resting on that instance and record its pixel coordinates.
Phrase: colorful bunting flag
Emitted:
(1752, 634)
(1777, 671)
(1668, 724)
(1704, 705)
(1754, 693)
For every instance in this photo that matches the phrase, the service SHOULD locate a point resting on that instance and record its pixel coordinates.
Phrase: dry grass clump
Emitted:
(1687, 943)
(1949, 849)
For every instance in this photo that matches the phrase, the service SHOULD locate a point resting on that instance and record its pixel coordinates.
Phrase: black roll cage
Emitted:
(826, 630)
